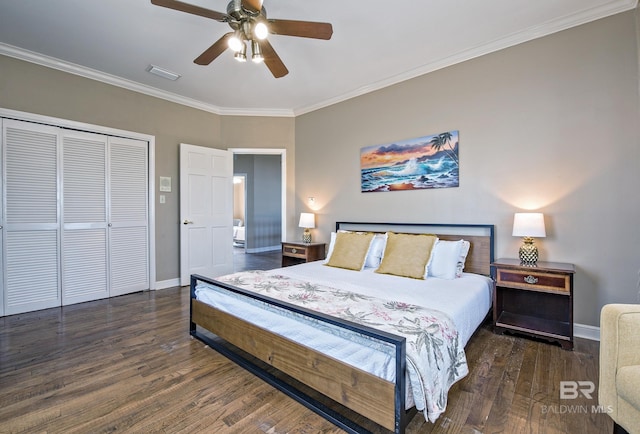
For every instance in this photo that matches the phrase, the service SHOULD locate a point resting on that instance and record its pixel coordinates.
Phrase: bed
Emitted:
(238, 232)
(338, 333)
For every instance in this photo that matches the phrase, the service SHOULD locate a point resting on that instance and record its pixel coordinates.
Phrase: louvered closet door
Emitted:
(84, 216)
(1, 220)
(129, 230)
(31, 217)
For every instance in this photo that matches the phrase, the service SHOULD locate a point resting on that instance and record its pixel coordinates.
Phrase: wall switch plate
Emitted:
(163, 198)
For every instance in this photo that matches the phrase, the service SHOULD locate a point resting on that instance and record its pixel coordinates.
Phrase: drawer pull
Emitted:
(530, 279)
(294, 250)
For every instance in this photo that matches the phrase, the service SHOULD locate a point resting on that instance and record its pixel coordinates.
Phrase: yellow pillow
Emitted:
(407, 255)
(350, 250)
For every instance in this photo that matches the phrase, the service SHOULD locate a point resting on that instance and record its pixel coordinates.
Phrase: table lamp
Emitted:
(528, 225)
(307, 221)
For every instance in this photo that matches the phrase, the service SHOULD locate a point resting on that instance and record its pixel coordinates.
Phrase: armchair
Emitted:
(619, 388)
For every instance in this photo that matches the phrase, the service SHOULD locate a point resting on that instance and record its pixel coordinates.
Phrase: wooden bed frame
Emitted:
(378, 400)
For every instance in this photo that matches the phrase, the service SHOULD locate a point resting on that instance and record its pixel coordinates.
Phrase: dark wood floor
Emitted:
(128, 364)
(255, 261)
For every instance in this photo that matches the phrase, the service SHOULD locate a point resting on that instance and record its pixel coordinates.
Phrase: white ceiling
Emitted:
(375, 44)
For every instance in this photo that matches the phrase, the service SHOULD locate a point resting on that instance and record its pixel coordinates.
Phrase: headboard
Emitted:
(480, 236)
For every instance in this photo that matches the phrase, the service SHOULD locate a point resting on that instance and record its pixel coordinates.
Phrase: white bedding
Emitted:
(465, 301)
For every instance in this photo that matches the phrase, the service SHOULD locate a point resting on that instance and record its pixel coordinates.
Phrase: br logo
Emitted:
(573, 389)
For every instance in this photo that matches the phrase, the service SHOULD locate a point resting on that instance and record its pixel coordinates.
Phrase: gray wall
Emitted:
(264, 200)
(35, 89)
(549, 125)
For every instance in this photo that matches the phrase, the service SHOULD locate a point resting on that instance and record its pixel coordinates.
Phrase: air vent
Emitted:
(164, 73)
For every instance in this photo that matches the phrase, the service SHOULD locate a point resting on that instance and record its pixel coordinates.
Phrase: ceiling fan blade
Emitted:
(191, 9)
(272, 60)
(210, 54)
(303, 29)
(252, 5)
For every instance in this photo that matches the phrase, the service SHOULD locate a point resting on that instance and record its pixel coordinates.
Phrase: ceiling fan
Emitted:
(248, 19)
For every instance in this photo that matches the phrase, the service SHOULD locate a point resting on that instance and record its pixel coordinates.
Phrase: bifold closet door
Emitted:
(31, 229)
(129, 215)
(75, 219)
(105, 238)
(84, 216)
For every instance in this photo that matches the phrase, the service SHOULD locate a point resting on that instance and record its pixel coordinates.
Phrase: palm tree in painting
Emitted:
(440, 141)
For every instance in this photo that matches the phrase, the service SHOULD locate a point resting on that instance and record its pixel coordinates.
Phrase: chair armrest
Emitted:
(619, 346)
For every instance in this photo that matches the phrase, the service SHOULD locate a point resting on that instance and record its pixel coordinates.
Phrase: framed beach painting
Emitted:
(424, 162)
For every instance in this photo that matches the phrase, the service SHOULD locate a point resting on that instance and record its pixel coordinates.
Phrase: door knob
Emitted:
(187, 222)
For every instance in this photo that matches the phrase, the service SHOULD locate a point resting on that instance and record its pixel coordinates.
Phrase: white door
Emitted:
(31, 229)
(206, 212)
(105, 224)
(84, 217)
(2, 302)
(128, 215)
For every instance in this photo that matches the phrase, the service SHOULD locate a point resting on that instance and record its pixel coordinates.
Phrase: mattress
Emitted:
(466, 300)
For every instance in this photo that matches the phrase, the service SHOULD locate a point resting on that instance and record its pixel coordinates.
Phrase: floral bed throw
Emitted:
(435, 357)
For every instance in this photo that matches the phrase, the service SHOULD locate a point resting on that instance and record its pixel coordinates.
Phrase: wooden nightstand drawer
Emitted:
(535, 301)
(298, 253)
(295, 251)
(533, 280)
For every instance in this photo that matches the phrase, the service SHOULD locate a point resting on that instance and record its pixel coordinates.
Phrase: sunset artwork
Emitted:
(425, 162)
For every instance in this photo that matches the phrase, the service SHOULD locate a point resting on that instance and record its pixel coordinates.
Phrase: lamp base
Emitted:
(306, 236)
(528, 252)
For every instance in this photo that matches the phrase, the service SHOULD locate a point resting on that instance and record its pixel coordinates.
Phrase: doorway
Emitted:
(264, 172)
(239, 210)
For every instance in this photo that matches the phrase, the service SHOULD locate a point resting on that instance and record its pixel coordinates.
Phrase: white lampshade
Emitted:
(529, 224)
(307, 220)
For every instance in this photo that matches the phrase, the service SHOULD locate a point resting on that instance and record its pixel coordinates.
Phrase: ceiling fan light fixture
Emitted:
(236, 42)
(256, 55)
(260, 30)
(241, 55)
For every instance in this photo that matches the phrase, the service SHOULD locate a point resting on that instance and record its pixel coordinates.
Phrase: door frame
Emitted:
(283, 178)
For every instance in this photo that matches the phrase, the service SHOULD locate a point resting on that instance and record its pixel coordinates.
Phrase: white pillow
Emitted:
(332, 243)
(444, 261)
(376, 250)
(464, 251)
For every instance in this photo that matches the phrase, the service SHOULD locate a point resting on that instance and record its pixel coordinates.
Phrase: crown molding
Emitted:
(531, 33)
(72, 68)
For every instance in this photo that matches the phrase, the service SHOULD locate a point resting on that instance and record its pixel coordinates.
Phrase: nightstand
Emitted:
(534, 300)
(297, 253)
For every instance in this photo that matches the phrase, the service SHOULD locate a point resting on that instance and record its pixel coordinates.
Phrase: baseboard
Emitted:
(171, 283)
(263, 249)
(586, 332)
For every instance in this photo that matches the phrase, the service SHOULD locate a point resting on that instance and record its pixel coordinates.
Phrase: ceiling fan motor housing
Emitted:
(237, 12)
(243, 19)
